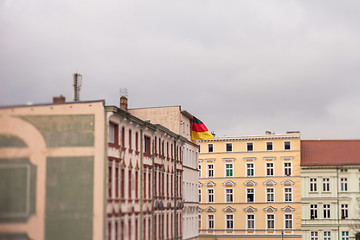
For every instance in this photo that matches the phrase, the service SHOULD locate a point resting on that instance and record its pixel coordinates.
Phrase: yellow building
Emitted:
(250, 187)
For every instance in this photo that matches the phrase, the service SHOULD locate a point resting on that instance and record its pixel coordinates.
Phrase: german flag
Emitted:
(199, 131)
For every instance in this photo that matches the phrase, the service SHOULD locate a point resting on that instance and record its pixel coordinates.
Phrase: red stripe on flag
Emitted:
(199, 127)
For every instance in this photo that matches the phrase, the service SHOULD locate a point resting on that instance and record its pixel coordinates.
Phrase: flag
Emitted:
(199, 131)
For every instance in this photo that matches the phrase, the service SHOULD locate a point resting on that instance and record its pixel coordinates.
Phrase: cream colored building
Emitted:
(250, 187)
(330, 171)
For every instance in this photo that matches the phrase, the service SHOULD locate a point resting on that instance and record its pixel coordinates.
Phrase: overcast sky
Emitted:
(242, 66)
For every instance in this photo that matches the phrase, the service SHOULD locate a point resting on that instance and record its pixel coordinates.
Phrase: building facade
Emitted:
(330, 172)
(52, 171)
(179, 122)
(250, 187)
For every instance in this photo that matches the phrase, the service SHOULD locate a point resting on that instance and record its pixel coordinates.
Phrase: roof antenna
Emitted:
(77, 82)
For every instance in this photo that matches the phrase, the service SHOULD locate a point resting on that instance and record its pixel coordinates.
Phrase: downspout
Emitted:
(337, 200)
(153, 191)
(175, 191)
(142, 189)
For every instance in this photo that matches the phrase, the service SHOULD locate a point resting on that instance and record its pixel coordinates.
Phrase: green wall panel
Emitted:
(9, 141)
(17, 188)
(69, 198)
(64, 130)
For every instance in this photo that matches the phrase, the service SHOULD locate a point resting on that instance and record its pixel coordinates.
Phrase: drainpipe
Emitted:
(141, 185)
(175, 191)
(337, 200)
(153, 189)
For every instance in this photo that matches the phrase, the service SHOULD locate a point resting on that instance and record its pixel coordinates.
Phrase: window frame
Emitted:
(250, 147)
(210, 147)
(326, 184)
(326, 211)
(267, 194)
(212, 195)
(229, 194)
(313, 185)
(343, 184)
(212, 170)
(287, 194)
(287, 145)
(230, 145)
(313, 211)
(267, 144)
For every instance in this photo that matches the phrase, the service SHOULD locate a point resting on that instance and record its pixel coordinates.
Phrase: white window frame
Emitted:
(247, 223)
(314, 235)
(344, 211)
(267, 223)
(208, 169)
(267, 194)
(314, 209)
(285, 193)
(226, 222)
(253, 191)
(208, 147)
(266, 146)
(271, 168)
(246, 169)
(287, 160)
(313, 185)
(345, 235)
(327, 235)
(285, 145)
(292, 222)
(326, 184)
(208, 195)
(226, 194)
(200, 195)
(208, 221)
(199, 168)
(247, 146)
(226, 145)
(326, 211)
(343, 184)
(228, 161)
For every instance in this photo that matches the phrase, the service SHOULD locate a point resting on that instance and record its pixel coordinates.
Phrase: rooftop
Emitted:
(330, 152)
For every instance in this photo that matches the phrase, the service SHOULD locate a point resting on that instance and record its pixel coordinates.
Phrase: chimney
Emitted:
(213, 133)
(124, 103)
(60, 99)
(77, 82)
(268, 133)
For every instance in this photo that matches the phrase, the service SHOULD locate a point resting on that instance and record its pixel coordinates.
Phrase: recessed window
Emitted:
(199, 170)
(228, 147)
(229, 221)
(250, 221)
(314, 236)
(287, 194)
(211, 221)
(313, 185)
(269, 146)
(345, 235)
(287, 146)
(113, 133)
(327, 235)
(344, 211)
(326, 184)
(287, 168)
(147, 142)
(313, 211)
(343, 185)
(288, 221)
(269, 169)
(229, 169)
(229, 192)
(270, 221)
(249, 169)
(199, 195)
(250, 195)
(270, 194)
(210, 148)
(210, 195)
(249, 147)
(326, 208)
(210, 170)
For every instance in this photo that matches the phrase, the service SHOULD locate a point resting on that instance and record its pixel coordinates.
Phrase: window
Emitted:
(313, 211)
(229, 221)
(270, 194)
(110, 181)
(228, 147)
(249, 169)
(210, 195)
(327, 235)
(210, 148)
(113, 129)
(287, 146)
(249, 147)
(344, 235)
(229, 192)
(210, 170)
(229, 169)
(270, 221)
(343, 185)
(130, 140)
(147, 145)
(199, 195)
(287, 168)
(344, 211)
(314, 236)
(313, 185)
(287, 194)
(326, 208)
(199, 170)
(211, 221)
(250, 221)
(288, 221)
(326, 184)
(250, 196)
(199, 223)
(269, 169)
(269, 146)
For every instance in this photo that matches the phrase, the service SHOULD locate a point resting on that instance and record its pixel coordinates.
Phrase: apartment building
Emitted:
(179, 122)
(52, 171)
(330, 171)
(250, 187)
